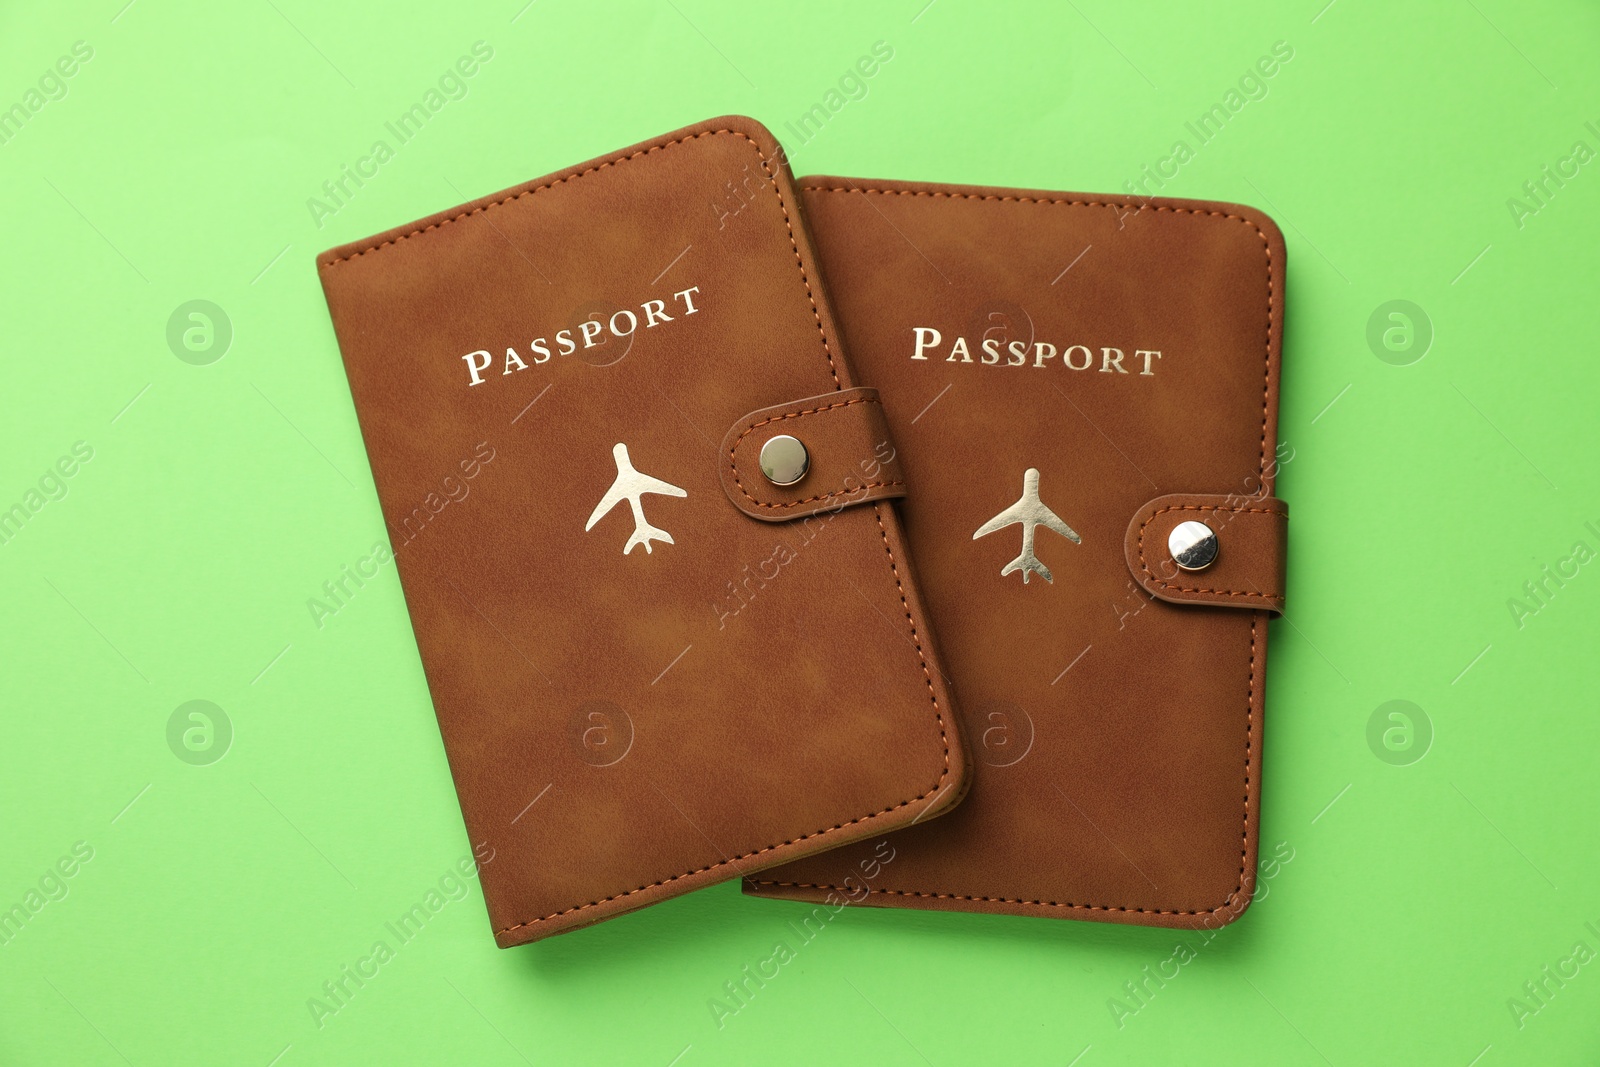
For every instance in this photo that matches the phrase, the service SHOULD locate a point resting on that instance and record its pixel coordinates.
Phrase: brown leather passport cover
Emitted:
(1116, 363)
(652, 668)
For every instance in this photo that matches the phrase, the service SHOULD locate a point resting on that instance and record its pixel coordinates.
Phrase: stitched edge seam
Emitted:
(933, 696)
(1266, 389)
(788, 223)
(1169, 587)
(989, 900)
(1225, 905)
(733, 464)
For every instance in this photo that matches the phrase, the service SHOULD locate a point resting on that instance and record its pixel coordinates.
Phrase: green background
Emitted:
(1422, 892)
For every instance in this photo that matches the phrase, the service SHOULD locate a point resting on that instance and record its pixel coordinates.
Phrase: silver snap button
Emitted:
(784, 460)
(1193, 545)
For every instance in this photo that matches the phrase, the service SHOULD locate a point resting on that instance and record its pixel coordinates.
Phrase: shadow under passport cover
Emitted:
(652, 669)
(1119, 362)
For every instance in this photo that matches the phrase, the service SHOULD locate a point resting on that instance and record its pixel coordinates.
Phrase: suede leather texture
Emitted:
(1117, 735)
(626, 727)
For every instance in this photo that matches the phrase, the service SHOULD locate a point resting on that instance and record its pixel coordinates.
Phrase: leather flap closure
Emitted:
(1247, 534)
(845, 457)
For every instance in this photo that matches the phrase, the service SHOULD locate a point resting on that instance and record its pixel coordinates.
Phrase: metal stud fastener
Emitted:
(784, 460)
(1193, 545)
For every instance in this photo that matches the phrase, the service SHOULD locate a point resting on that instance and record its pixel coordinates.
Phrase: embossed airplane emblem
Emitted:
(630, 486)
(1032, 513)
